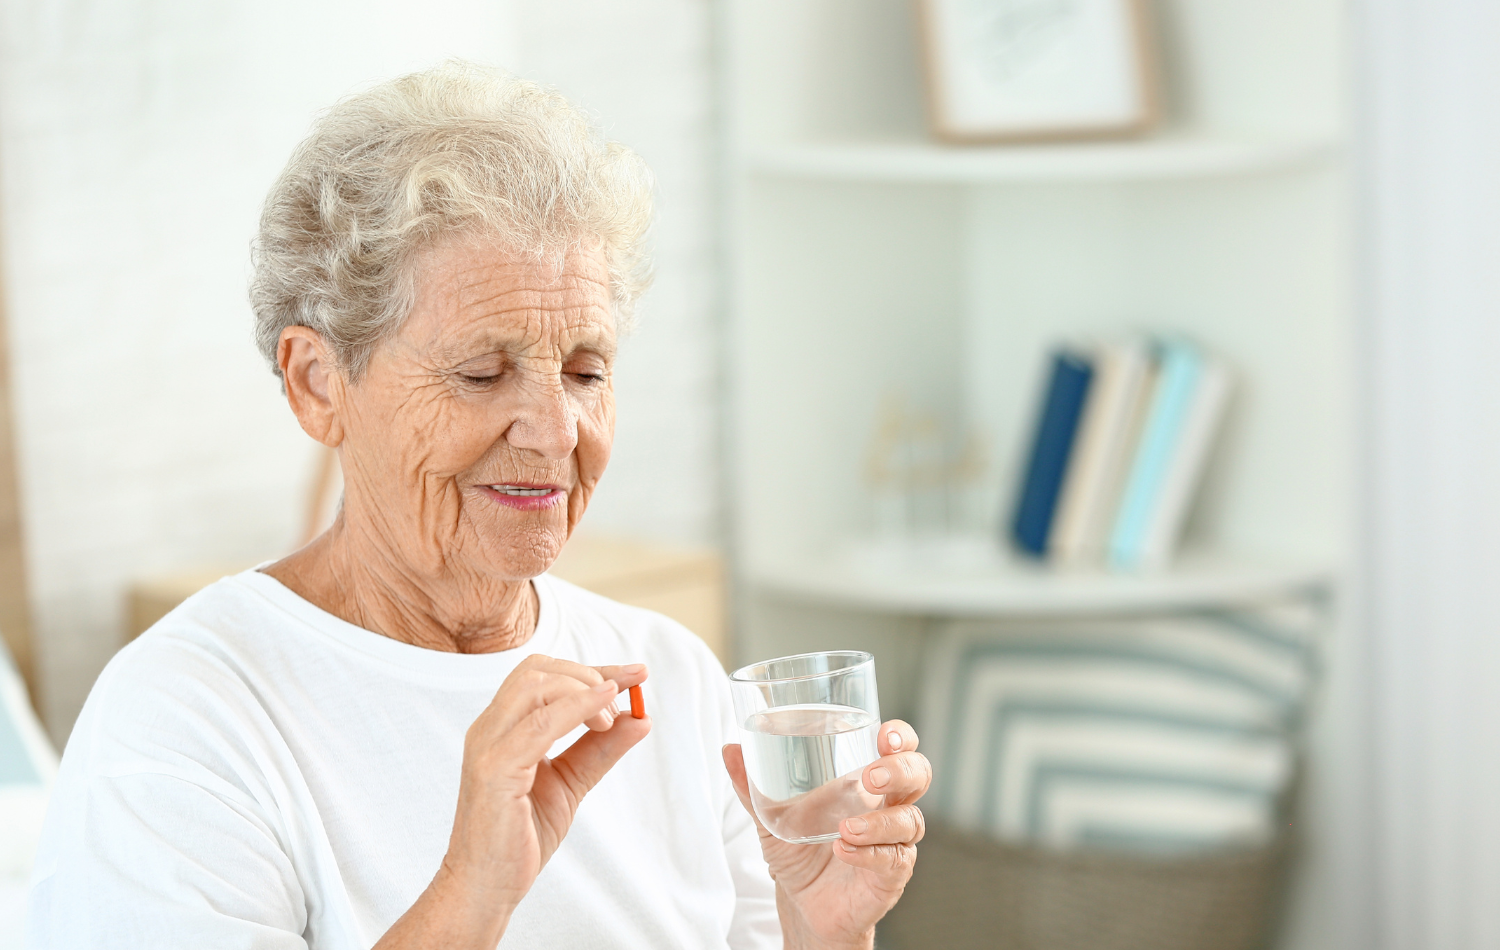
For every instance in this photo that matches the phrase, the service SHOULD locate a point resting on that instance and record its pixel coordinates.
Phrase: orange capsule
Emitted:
(637, 703)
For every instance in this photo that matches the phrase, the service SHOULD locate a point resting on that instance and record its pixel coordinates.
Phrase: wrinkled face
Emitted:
(475, 438)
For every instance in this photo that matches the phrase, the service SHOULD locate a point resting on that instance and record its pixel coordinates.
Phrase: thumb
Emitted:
(586, 761)
(734, 764)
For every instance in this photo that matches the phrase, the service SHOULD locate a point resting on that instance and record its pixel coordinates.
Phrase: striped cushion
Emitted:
(1164, 734)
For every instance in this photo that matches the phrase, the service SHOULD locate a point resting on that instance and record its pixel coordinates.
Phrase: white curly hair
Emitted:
(451, 152)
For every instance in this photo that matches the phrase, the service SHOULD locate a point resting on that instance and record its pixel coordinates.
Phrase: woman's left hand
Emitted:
(831, 895)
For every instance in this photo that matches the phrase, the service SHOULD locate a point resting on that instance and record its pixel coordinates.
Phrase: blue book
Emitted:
(1067, 390)
(1181, 366)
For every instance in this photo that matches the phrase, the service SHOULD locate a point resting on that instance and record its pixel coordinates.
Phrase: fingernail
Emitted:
(894, 738)
(608, 686)
(846, 846)
(857, 826)
(633, 668)
(880, 776)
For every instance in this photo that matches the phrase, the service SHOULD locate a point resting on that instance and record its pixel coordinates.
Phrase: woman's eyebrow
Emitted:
(598, 344)
(489, 342)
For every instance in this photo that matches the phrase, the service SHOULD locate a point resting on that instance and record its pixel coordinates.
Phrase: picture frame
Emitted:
(1038, 70)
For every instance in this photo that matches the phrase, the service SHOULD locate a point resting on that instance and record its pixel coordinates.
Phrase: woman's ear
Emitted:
(311, 378)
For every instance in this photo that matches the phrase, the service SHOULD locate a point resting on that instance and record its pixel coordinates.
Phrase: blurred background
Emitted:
(1276, 727)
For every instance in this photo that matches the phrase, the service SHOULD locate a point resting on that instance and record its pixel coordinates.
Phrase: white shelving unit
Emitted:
(869, 261)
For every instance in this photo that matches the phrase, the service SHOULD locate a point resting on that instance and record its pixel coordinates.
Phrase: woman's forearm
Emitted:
(797, 935)
(449, 915)
(806, 942)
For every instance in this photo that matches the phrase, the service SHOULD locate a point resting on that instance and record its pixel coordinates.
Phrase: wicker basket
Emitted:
(970, 892)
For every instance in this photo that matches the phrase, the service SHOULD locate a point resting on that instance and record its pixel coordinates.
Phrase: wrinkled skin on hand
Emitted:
(832, 894)
(515, 804)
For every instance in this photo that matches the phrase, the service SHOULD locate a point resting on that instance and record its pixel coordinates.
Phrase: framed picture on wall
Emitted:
(1017, 70)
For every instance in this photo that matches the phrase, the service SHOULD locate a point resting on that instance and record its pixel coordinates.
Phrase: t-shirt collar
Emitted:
(405, 655)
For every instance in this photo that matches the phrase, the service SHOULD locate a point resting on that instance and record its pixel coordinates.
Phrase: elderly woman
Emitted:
(404, 735)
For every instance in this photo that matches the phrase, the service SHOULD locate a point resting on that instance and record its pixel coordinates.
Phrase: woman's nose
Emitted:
(547, 423)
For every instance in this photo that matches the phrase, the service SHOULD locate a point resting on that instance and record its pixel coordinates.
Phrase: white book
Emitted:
(1106, 440)
(1189, 459)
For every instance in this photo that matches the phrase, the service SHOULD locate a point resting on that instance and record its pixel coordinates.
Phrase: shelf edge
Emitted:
(1153, 160)
(973, 598)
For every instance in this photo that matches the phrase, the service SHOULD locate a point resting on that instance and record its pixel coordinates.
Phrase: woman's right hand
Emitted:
(514, 804)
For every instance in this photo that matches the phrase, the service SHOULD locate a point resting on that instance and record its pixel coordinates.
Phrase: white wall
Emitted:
(645, 69)
(137, 138)
(1430, 593)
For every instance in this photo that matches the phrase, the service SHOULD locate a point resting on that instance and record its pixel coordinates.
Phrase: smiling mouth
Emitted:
(521, 491)
(525, 497)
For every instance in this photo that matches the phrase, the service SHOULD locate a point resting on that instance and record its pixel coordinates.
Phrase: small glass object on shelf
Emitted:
(922, 471)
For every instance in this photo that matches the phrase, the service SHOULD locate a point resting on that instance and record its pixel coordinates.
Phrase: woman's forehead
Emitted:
(463, 251)
(472, 297)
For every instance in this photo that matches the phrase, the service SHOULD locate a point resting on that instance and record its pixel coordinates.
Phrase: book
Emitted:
(1171, 402)
(1107, 433)
(1189, 459)
(1052, 443)
(1103, 529)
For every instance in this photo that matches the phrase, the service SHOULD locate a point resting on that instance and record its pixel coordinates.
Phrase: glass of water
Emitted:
(808, 727)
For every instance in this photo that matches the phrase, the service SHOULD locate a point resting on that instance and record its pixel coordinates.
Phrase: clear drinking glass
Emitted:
(808, 727)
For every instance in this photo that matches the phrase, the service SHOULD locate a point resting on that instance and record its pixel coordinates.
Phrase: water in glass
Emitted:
(804, 764)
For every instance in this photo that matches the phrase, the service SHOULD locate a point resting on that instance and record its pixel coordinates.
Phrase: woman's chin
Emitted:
(524, 548)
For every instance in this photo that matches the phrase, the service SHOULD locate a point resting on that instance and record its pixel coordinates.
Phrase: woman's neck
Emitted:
(350, 575)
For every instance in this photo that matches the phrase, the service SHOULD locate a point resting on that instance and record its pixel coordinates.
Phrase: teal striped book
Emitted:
(1195, 442)
(1176, 385)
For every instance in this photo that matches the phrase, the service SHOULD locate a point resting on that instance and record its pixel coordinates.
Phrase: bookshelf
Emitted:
(870, 263)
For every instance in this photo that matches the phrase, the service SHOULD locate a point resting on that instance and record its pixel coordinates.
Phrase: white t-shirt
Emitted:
(254, 772)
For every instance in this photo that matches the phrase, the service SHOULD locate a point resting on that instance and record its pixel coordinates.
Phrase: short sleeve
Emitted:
(157, 861)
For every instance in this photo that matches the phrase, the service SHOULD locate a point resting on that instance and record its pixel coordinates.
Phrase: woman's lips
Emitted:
(524, 497)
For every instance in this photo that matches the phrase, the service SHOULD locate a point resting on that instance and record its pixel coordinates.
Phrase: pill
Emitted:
(637, 703)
